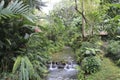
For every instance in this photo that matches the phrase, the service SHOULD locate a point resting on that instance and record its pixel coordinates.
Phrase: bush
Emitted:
(91, 64)
(83, 47)
(87, 49)
(114, 50)
(88, 45)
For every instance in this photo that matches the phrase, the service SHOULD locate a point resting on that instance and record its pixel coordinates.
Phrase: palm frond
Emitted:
(16, 8)
(39, 4)
(36, 4)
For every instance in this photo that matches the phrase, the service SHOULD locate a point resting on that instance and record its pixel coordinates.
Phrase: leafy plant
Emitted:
(16, 55)
(23, 68)
(91, 64)
(87, 49)
(39, 54)
(114, 49)
(88, 58)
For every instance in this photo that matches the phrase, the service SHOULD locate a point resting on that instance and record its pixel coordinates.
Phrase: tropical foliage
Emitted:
(16, 57)
(91, 64)
(114, 51)
(27, 41)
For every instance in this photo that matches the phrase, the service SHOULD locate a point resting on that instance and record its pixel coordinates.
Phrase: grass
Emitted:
(109, 71)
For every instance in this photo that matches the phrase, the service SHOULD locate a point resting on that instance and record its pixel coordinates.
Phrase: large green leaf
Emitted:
(16, 64)
(24, 68)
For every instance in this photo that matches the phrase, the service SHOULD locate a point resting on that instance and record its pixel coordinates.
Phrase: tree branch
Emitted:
(76, 8)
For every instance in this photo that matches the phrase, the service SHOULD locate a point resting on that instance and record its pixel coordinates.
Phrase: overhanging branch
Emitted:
(76, 8)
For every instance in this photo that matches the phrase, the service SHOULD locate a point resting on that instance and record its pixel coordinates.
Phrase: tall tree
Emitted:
(89, 12)
(83, 16)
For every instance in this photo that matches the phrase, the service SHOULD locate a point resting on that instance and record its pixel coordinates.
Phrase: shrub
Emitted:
(91, 64)
(82, 49)
(113, 50)
(88, 44)
(86, 52)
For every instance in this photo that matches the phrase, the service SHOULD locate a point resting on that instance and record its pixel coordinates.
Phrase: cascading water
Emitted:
(65, 73)
(64, 68)
(52, 66)
(70, 66)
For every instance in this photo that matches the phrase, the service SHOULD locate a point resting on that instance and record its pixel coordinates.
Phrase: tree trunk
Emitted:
(83, 17)
(83, 21)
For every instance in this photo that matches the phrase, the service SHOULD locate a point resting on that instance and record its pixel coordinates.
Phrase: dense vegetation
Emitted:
(90, 27)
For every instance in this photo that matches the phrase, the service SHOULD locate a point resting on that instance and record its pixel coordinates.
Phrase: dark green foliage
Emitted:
(37, 52)
(111, 17)
(87, 49)
(91, 64)
(12, 39)
(71, 34)
(22, 53)
(13, 35)
(87, 57)
(114, 51)
(55, 33)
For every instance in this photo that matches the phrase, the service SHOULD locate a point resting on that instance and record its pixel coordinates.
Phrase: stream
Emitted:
(63, 66)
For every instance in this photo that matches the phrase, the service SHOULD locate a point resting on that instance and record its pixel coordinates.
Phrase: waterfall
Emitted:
(53, 66)
(69, 67)
(66, 67)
